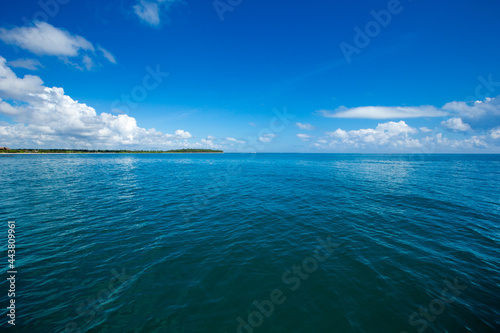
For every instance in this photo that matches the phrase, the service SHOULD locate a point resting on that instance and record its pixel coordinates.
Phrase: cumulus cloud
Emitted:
(303, 137)
(305, 126)
(31, 64)
(439, 140)
(6, 108)
(15, 87)
(181, 134)
(456, 124)
(384, 112)
(150, 11)
(495, 133)
(394, 135)
(400, 137)
(207, 144)
(267, 137)
(48, 117)
(477, 109)
(390, 133)
(480, 117)
(44, 39)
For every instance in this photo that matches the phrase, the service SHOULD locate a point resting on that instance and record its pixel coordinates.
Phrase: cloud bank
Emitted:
(391, 134)
(488, 107)
(468, 126)
(47, 117)
(400, 137)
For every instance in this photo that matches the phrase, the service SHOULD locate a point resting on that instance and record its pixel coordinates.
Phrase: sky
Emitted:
(346, 76)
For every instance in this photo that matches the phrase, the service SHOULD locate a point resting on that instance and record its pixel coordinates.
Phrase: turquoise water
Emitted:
(253, 243)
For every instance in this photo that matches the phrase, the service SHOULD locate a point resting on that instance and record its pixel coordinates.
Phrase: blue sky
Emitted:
(238, 75)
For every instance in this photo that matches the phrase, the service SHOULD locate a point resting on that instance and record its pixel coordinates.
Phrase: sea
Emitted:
(250, 243)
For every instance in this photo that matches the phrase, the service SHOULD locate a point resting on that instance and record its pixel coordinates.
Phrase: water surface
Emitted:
(188, 243)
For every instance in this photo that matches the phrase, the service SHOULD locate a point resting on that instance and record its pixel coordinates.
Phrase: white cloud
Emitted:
(150, 11)
(15, 87)
(477, 142)
(31, 64)
(303, 137)
(382, 132)
(48, 117)
(390, 134)
(400, 137)
(339, 133)
(305, 126)
(88, 62)
(490, 107)
(45, 39)
(456, 124)
(207, 144)
(384, 112)
(6, 108)
(107, 55)
(477, 109)
(495, 133)
(480, 117)
(180, 134)
(441, 141)
(234, 140)
(267, 137)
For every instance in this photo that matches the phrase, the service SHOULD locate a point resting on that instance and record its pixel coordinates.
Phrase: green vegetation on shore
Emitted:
(85, 151)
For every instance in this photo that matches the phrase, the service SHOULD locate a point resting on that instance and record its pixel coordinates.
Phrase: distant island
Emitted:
(5, 150)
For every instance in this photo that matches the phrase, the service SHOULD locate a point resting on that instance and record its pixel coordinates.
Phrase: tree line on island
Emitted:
(108, 151)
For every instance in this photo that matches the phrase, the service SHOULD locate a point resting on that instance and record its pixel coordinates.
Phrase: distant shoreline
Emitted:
(3, 153)
(98, 153)
(84, 151)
